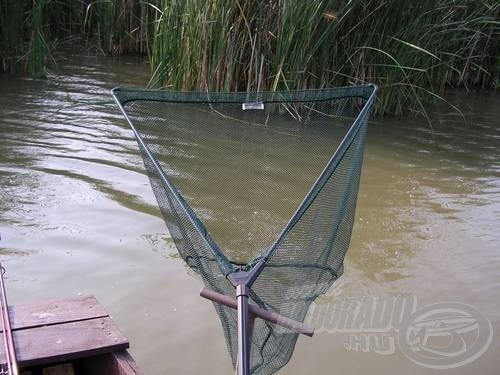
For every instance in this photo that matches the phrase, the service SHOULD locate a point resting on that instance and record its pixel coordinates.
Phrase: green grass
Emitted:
(412, 49)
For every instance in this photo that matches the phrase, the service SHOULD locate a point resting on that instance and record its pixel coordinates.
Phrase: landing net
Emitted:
(243, 178)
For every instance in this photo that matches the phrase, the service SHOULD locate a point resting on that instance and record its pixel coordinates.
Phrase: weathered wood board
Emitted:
(116, 363)
(54, 311)
(61, 330)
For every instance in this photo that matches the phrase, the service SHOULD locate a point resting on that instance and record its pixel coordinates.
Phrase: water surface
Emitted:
(77, 216)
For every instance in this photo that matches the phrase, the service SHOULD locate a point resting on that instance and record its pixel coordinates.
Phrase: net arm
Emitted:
(224, 263)
(323, 178)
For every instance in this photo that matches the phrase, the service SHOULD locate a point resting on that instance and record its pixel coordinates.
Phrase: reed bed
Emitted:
(31, 30)
(412, 49)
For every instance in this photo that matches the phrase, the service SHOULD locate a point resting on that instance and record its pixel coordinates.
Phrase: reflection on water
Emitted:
(77, 216)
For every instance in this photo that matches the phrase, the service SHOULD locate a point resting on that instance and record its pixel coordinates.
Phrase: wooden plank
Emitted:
(64, 369)
(55, 311)
(116, 363)
(126, 364)
(66, 341)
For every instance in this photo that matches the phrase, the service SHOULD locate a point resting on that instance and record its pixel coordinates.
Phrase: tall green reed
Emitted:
(30, 29)
(12, 31)
(413, 50)
(38, 46)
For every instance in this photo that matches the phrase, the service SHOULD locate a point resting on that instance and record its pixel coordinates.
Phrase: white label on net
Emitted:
(252, 105)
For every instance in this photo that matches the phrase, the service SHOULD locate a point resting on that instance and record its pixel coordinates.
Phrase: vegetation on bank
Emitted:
(412, 49)
(31, 30)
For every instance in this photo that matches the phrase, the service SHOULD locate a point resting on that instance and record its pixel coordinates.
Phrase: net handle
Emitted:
(259, 312)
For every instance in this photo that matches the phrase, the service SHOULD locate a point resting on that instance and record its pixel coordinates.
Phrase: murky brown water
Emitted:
(77, 215)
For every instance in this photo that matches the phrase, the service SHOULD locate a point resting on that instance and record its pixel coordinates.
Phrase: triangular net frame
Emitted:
(306, 254)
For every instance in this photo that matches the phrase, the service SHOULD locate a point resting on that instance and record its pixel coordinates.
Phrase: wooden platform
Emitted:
(75, 329)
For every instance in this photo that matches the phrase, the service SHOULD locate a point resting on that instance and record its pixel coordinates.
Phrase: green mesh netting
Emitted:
(214, 159)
